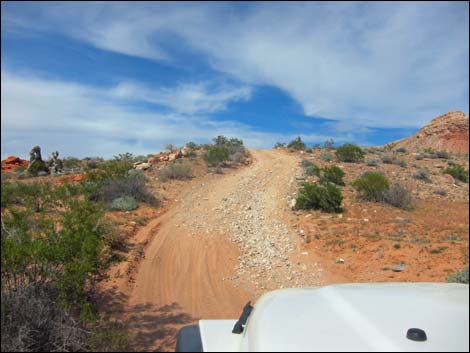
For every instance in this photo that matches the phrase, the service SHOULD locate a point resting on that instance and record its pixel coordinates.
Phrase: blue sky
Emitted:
(98, 79)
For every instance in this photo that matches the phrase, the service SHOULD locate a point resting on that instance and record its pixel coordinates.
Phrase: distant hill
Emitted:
(448, 132)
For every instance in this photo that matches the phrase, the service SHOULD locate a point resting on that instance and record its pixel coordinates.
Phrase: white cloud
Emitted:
(189, 98)
(80, 120)
(370, 64)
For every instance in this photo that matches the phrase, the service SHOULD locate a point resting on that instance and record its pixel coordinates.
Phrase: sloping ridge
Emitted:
(448, 132)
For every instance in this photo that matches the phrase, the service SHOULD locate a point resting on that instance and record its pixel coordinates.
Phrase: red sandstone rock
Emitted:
(448, 132)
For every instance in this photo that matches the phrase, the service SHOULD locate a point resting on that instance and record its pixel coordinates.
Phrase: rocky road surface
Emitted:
(224, 243)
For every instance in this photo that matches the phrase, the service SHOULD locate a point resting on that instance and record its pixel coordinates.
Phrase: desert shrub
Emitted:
(398, 196)
(108, 337)
(33, 322)
(313, 170)
(332, 174)
(238, 157)
(422, 174)
(297, 144)
(279, 145)
(329, 143)
(132, 185)
(371, 186)
(442, 154)
(349, 153)
(419, 157)
(170, 147)
(401, 162)
(124, 203)
(326, 197)
(140, 158)
(178, 171)
(387, 159)
(191, 145)
(459, 277)
(72, 163)
(109, 170)
(36, 166)
(92, 163)
(326, 156)
(216, 155)
(52, 245)
(372, 162)
(458, 172)
(37, 249)
(402, 150)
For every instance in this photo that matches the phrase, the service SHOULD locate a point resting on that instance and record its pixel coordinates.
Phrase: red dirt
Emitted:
(12, 163)
(448, 132)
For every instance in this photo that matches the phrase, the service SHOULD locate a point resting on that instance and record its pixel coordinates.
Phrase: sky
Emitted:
(103, 78)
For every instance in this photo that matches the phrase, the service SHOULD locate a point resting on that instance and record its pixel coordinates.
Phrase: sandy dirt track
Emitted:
(196, 262)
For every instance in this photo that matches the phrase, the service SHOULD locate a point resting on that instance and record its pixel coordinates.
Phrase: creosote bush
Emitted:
(216, 155)
(297, 144)
(458, 172)
(124, 203)
(349, 153)
(326, 197)
(399, 196)
(423, 174)
(371, 186)
(326, 156)
(333, 174)
(459, 277)
(178, 171)
(132, 185)
(372, 162)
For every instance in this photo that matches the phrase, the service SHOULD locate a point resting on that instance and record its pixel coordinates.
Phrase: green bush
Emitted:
(422, 174)
(191, 145)
(398, 196)
(332, 174)
(401, 162)
(349, 153)
(313, 170)
(237, 157)
(216, 155)
(402, 150)
(326, 197)
(72, 163)
(132, 185)
(371, 186)
(297, 144)
(36, 166)
(124, 203)
(387, 159)
(109, 170)
(372, 162)
(459, 277)
(178, 171)
(442, 154)
(279, 145)
(326, 156)
(458, 172)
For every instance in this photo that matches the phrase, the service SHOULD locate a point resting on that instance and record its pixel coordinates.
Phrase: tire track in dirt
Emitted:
(222, 244)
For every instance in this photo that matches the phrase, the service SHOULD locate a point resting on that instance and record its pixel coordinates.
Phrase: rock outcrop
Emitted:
(448, 132)
(12, 163)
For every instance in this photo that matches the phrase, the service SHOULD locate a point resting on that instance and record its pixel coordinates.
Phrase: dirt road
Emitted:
(223, 244)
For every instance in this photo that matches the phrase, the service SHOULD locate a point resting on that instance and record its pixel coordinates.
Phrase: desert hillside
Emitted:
(448, 132)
